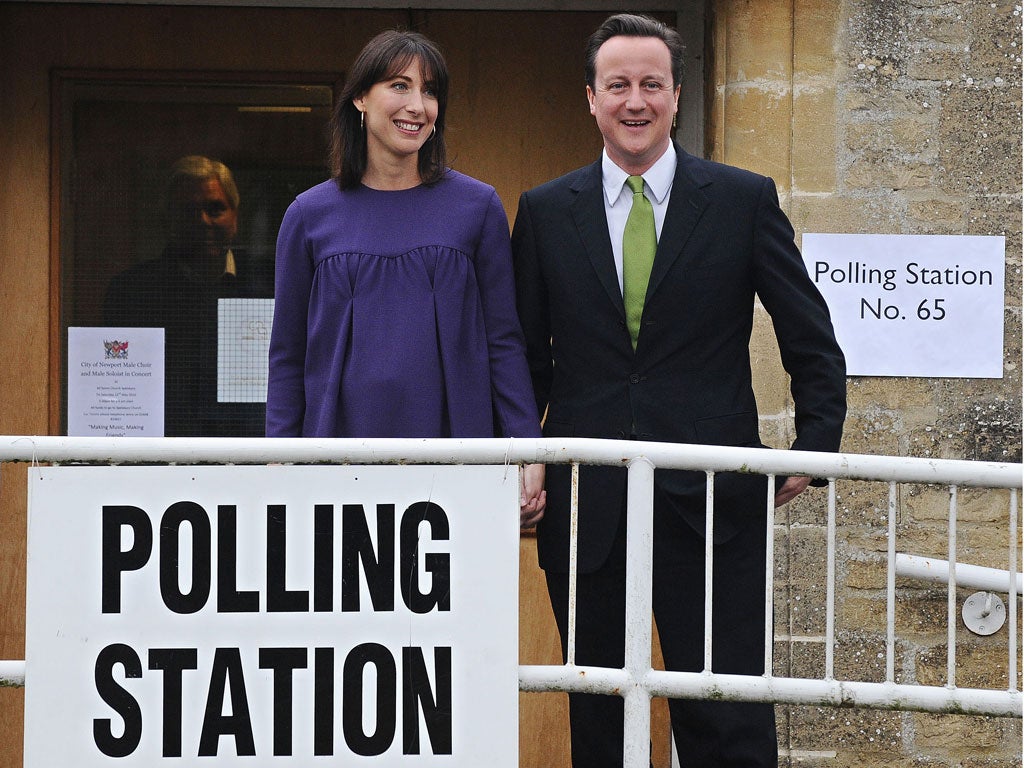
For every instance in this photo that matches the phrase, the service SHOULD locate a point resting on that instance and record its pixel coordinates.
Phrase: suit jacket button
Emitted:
(634, 378)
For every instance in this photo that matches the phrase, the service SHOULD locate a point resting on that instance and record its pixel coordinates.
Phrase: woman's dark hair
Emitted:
(634, 25)
(385, 56)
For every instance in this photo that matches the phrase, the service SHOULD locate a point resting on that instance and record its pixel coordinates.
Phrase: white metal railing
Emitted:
(637, 682)
(970, 576)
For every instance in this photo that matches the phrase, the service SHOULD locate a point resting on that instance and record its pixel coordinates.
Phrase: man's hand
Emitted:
(790, 489)
(532, 496)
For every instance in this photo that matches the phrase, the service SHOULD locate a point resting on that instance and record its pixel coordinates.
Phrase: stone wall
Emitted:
(897, 117)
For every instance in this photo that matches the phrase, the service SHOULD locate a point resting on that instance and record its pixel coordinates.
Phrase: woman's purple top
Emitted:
(395, 316)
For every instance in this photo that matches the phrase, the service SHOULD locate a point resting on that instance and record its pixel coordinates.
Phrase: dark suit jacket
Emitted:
(724, 240)
(164, 293)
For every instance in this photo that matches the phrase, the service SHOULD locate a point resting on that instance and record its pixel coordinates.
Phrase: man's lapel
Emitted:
(685, 207)
(588, 214)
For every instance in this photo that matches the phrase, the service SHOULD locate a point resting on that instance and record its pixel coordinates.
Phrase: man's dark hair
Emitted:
(385, 56)
(634, 25)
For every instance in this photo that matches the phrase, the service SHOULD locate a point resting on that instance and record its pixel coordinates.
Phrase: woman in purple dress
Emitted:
(395, 306)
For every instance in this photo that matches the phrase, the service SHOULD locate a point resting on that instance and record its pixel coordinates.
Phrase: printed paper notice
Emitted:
(116, 382)
(913, 305)
(243, 347)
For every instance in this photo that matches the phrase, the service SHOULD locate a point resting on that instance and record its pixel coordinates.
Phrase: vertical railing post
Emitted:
(1012, 597)
(830, 584)
(890, 590)
(770, 578)
(574, 529)
(709, 570)
(639, 579)
(951, 616)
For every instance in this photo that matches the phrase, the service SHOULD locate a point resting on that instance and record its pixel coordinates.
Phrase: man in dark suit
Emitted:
(179, 291)
(675, 368)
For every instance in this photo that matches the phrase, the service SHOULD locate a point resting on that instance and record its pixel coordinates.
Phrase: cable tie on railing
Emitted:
(508, 452)
(34, 461)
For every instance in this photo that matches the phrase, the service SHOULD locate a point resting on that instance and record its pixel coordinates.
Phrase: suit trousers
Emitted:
(707, 734)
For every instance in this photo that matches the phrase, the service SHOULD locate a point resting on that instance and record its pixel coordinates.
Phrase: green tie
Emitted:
(639, 241)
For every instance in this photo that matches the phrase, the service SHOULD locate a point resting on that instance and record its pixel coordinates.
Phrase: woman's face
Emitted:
(399, 114)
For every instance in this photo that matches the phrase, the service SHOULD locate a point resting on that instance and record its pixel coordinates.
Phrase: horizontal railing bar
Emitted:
(720, 687)
(257, 450)
(967, 576)
(836, 693)
(572, 678)
(12, 674)
(701, 685)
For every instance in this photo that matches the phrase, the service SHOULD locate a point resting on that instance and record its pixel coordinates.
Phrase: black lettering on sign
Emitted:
(227, 674)
(114, 560)
(284, 662)
(323, 701)
(279, 597)
(417, 695)
(357, 547)
(369, 698)
(229, 598)
(119, 700)
(172, 661)
(353, 700)
(198, 521)
(323, 557)
(437, 564)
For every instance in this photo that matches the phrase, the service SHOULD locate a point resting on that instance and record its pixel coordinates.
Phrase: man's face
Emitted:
(202, 220)
(633, 100)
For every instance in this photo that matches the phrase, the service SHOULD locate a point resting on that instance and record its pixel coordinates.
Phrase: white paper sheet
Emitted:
(913, 305)
(243, 345)
(116, 382)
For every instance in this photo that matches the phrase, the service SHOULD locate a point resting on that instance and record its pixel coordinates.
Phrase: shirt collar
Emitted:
(658, 177)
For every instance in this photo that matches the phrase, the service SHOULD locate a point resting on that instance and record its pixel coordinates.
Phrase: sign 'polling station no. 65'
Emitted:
(286, 615)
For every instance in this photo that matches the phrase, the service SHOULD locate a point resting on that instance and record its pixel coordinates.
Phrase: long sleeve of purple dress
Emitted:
(395, 316)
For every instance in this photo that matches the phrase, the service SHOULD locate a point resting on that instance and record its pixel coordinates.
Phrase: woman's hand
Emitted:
(532, 496)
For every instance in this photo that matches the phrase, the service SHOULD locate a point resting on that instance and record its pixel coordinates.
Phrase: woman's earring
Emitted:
(362, 120)
(433, 134)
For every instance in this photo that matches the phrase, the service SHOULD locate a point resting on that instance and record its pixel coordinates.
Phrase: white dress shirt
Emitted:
(618, 197)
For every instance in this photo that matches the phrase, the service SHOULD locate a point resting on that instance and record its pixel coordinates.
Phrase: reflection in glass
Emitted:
(143, 244)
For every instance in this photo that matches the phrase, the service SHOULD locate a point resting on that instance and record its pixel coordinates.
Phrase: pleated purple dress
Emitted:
(395, 316)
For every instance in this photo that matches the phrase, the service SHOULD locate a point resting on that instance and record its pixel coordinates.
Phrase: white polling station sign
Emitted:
(290, 615)
(913, 305)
